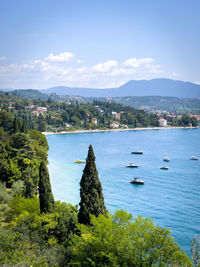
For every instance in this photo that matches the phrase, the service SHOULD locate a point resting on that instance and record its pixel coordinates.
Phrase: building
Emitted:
(115, 115)
(41, 109)
(114, 125)
(162, 122)
(30, 107)
(94, 120)
(197, 117)
(36, 113)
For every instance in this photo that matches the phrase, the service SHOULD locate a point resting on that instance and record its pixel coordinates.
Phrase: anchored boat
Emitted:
(137, 181)
(131, 165)
(166, 159)
(80, 161)
(164, 168)
(137, 152)
(194, 158)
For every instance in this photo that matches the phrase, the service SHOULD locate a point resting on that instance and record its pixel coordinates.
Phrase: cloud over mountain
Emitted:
(64, 69)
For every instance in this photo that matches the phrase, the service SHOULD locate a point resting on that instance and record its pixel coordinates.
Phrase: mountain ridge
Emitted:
(154, 87)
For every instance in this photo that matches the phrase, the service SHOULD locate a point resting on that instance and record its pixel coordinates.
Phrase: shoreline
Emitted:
(118, 130)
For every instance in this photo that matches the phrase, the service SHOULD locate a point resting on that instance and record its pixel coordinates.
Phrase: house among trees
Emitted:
(41, 109)
(114, 125)
(30, 107)
(94, 121)
(162, 122)
(116, 115)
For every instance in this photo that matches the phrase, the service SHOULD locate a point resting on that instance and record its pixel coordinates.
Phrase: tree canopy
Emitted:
(92, 200)
(45, 192)
(119, 240)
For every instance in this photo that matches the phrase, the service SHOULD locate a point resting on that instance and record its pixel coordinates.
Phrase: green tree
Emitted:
(45, 193)
(121, 241)
(195, 251)
(24, 127)
(22, 145)
(194, 122)
(65, 116)
(15, 125)
(41, 123)
(92, 200)
(30, 179)
(185, 120)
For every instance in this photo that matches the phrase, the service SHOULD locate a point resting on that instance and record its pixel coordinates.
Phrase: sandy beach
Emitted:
(117, 130)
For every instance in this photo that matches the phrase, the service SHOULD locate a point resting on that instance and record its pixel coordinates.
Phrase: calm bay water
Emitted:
(171, 197)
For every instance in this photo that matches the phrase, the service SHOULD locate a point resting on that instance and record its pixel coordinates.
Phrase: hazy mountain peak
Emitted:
(154, 87)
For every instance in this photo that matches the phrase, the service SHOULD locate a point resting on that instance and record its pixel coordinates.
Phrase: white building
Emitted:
(162, 122)
(94, 121)
(41, 109)
(114, 125)
(115, 115)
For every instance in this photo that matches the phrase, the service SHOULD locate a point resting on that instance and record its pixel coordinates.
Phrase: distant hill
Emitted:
(155, 87)
(31, 93)
(149, 103)
(152, 103)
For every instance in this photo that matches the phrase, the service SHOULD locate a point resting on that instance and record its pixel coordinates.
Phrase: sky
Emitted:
(97, 43)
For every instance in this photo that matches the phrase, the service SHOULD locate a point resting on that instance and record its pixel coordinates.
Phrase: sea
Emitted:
(170, 197)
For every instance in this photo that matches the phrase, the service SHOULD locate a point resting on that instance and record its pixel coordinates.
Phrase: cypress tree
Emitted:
(16, 125)
(41, 123)
(45, 193)
(92, 200)
(24, 126)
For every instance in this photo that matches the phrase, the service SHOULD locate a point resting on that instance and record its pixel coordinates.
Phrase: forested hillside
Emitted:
(49, 115)
(169, 104)
(149, 103)
(36, 230)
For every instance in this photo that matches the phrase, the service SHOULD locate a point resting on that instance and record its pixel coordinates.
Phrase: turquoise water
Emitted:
(171, 197)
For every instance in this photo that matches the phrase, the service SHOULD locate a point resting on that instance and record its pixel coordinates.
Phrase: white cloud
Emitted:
(137, 62)
(154, 68)
(197, 82)
(2, 58)
(105, 67)
(79, 61)
(62, 57)
(58, 70)
(119, 71)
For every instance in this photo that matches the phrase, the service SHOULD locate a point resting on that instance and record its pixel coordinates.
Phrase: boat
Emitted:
(131, 165)
(166, 159)
(137, 152)
(194, 158)
(164, 168)
(137, 181)
(80, 161)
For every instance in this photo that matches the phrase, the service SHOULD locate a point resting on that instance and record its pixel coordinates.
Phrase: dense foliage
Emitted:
(150, 103)
(121, 241)
(92, 200)
(53, 237)
(28, 237)
(60, 115)
(45, 193)
(21, 154)
(169, 104)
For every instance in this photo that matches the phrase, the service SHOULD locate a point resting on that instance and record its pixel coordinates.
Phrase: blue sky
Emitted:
(97, 43)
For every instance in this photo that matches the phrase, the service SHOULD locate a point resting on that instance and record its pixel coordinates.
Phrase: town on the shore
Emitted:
(67, 116)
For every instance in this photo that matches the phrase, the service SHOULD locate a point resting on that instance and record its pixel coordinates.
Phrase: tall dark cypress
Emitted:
(24, 127)
(45, 193)
(92, 200)
(16, 125)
